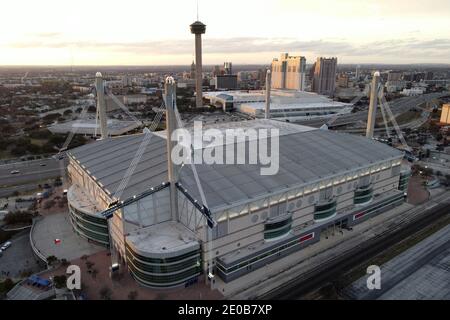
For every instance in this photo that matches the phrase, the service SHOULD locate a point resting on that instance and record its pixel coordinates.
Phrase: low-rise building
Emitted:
(291, 105)
(135, 99)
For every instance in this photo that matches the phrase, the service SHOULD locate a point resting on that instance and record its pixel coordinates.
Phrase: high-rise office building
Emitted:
(193, 70)
(288, 72)
(394, 76)
(216, 71)
(226, 82)
(228, 68)
(358, 72)
(324, 76)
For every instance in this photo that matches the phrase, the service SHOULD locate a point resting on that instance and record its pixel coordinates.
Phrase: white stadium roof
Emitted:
(306, 156)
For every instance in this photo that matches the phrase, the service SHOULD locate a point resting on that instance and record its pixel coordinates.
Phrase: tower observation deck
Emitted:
(198, 28)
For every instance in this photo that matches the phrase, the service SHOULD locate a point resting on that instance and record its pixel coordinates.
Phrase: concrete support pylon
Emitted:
(372, 115)
(170, 102)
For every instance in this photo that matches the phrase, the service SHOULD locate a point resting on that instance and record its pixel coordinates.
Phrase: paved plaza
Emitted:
(58, 226)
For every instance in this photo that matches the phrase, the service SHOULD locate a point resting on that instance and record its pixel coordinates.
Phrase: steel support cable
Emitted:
(127, 176)
(123, 107)
(393, 121)
(139, 153)
(385, 120)
(337, 115)
(64, 147)
(204, 201)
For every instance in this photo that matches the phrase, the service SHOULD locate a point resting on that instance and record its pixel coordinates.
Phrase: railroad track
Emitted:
(331, 270)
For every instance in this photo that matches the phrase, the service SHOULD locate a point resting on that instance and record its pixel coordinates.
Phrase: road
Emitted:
(397, 106)
(9, 191)
(29, 171)
(414, 124)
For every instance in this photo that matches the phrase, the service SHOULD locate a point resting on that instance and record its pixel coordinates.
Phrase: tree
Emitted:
(18, 217)
(94, 273)
(77, 141)
(6, 286)
(89, 264)
(116, 276)
(161, 296)
(65, 263)
(18, 151)
(132, 295)
(105, 293)
(49, 204)
(50, 118)
(427, 172)
(7, 128)
(48, 147)
(4, 143)
(61, 203)
(60, 281)
(41, 134)
(51, 259)
(57, 139)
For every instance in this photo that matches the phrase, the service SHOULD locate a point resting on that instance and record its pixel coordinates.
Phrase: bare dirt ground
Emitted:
(417, 192)
(59, 203)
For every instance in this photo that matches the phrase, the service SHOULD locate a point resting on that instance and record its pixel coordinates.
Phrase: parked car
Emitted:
(6, 245)
(3, 213)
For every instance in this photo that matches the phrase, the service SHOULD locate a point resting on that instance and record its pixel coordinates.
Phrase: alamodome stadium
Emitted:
(169, 225)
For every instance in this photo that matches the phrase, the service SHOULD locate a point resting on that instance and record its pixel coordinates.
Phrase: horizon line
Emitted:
(205, 65)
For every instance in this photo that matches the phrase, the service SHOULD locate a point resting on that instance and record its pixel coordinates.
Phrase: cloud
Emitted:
(47, 34)
(410, 48)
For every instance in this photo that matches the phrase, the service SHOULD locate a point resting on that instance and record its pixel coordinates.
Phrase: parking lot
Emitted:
(18, 258)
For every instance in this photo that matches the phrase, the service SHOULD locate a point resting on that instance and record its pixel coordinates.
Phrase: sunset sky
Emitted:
(148, 32)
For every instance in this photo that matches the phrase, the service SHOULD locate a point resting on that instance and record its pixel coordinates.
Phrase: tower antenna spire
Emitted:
(197, 11)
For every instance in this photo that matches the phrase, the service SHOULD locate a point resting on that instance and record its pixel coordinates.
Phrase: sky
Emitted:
(149, 32)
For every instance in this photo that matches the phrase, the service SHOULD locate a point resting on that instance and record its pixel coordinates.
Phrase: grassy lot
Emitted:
(407, 117)
(39, 142)
(5, 154)
(403, 118)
